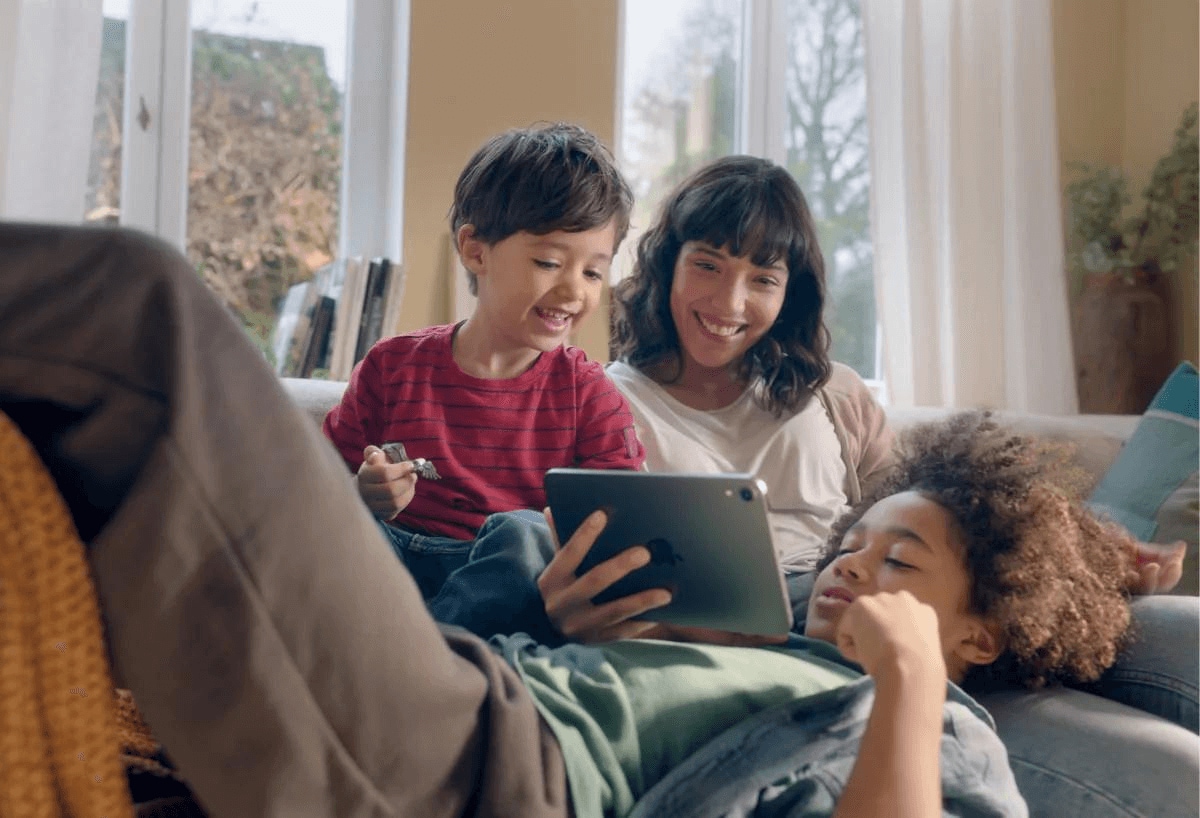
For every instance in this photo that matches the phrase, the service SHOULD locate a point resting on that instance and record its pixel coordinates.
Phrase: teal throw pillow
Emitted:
(1151, 488)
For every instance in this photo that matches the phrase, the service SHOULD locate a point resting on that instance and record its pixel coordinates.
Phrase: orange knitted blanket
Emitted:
(139, 749)
(59, 741)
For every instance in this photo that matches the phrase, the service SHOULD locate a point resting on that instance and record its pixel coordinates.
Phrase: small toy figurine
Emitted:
(396, 454)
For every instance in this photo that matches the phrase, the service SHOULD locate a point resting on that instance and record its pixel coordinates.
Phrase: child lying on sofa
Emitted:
(288, 675)
(955, 564)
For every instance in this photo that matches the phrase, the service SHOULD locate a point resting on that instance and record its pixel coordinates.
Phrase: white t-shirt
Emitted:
(797, 455)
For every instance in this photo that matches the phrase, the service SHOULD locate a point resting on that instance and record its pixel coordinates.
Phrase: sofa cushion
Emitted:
(315, 397)
(1161, 456)
(1094, 440)
(1152, 488)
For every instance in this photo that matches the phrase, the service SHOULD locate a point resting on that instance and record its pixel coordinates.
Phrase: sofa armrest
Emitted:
(315, 397)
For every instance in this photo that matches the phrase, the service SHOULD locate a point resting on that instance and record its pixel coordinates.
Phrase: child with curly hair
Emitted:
(1048, 574)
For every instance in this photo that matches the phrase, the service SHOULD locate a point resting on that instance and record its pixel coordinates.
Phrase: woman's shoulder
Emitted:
(863, 425)
(844, 381)
(848, 395)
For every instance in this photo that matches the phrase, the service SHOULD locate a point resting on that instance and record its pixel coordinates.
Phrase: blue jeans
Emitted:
(1157, 670)
(487, 585)
(1079, 754)
(430, 559)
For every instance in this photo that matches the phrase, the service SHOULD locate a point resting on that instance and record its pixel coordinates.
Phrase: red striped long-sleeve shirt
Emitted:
(490, 440)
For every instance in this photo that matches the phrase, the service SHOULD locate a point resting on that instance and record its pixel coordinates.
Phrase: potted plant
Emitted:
(1122, 264)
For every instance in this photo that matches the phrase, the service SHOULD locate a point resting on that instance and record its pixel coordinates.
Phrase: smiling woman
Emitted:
(752, 259)
(724, 303)
(720, 346)
(780, 79)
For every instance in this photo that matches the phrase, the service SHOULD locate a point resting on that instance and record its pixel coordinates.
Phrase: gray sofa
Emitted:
(1133, 765)
(1096, 440)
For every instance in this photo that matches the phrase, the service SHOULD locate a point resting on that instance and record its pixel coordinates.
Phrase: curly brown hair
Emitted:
(754, 208)
(1043, 569)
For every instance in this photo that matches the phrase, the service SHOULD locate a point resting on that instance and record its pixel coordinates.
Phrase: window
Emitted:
(682, 62)
(825, 145)
(783, 79)
(235, 130)
(103, 202)
(265, 148)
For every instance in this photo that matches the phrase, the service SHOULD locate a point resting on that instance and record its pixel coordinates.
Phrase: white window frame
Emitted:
(155, 122)
(376, 122)
(764, 46)
(154, 158)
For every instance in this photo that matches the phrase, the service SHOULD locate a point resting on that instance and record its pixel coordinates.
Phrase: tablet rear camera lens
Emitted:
(747, 495)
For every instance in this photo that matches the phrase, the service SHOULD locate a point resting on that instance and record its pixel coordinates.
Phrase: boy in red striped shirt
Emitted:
(495, 401)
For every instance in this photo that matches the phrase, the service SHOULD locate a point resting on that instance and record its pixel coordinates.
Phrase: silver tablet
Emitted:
(709, 540)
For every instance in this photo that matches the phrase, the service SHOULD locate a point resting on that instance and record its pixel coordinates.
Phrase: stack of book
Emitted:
(326, 325)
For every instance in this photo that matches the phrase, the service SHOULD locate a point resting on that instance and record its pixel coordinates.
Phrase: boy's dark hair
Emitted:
(540, 179)
(1043, 569)
(752, 208)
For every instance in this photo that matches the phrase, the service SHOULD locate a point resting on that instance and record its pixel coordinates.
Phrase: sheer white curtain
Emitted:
(49, 61)
(972, 295)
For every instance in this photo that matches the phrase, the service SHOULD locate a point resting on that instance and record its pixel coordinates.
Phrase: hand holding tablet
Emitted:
(708, 537)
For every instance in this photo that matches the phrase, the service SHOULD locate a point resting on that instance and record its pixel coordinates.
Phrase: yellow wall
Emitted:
(478, 67)
(1124, 72)
(1089, 79)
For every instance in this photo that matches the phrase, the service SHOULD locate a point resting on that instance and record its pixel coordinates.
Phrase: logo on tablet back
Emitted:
(662, 553)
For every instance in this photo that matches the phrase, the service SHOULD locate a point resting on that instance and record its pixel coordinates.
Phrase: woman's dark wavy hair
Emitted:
(1044, 570)
(752, 208)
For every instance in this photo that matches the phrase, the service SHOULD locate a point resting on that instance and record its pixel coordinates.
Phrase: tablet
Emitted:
(709, 539)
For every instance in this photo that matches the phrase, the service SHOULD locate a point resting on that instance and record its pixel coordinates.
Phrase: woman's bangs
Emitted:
(745, 220)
